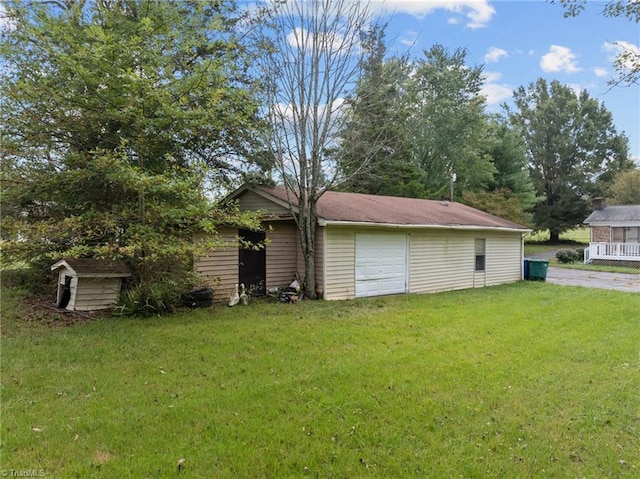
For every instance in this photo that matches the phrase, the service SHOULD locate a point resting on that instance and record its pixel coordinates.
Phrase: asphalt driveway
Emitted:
(594, 279)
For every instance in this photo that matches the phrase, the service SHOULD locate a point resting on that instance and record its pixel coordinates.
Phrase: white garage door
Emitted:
(381, 264)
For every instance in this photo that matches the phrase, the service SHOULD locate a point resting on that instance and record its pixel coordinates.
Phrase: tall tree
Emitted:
(450, 131)
(376, 126)
(571, 142)
(112, 115)
(313, 66)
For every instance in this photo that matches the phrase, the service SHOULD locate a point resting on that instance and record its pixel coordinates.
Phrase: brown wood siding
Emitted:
(319, 259)
(282, 253)
(250, 201)
(219, 268)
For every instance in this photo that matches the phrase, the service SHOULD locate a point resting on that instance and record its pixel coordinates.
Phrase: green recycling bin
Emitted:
(538, 269)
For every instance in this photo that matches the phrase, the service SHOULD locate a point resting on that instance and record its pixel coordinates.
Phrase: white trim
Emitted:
(615, 224)
(322, 222)
(324, 263)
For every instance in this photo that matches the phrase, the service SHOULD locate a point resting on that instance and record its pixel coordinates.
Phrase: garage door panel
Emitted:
(381, 264)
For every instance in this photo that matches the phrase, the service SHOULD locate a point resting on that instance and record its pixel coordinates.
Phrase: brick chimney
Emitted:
(598, 204)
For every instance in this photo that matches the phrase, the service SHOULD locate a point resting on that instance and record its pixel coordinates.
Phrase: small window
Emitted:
(480, 254)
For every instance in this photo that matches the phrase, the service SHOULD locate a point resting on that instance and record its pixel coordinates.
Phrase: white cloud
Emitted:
(493, 91)
(576, 87)
(478, 13)
(409, 38)
(334, 41)
(496, 93)
(492, 77)
(559, 59)
(495, 54)
(600, 72)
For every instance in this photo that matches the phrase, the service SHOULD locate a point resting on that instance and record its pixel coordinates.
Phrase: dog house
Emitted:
(87, 284)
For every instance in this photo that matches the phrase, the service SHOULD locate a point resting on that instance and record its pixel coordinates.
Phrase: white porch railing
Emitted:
(619, 251)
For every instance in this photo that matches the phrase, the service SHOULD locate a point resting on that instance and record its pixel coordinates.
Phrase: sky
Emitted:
(520, 41)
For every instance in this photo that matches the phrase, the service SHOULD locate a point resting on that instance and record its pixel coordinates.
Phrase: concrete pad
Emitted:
(594, 279)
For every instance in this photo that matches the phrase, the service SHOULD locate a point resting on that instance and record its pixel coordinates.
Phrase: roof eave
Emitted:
(325, 222)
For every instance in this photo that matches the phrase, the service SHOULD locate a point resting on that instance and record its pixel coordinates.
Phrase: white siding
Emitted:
(504, 258)
(445, 260)
(441, 260)
(94, 293)
(340, 257)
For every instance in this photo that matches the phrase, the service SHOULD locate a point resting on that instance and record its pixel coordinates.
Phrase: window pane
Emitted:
(617, 235)
(480, 245)
(631, 235)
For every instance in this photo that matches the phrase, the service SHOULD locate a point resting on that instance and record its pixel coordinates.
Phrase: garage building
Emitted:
(368, 245)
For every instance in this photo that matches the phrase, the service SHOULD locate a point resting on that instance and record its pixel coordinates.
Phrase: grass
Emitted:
(575, 235)
(524, 380)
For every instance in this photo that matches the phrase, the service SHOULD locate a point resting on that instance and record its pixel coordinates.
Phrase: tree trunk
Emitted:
(554, 237)
(307, 226)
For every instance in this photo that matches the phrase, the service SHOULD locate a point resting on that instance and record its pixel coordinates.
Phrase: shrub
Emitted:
(149, 299)
(35, 278)
(580, 253)
(567, 256)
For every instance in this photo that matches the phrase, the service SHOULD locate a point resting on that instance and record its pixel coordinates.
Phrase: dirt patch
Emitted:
(41, 309)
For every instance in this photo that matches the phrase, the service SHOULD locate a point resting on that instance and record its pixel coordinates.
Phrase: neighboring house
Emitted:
(615, 235)
(369, 245)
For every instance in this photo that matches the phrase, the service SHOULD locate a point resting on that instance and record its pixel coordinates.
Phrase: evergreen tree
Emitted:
(450, 134)
(113, 115)
(376, 128)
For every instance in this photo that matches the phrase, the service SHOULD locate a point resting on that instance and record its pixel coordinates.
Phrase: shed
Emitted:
(86, 284)
(369, 245)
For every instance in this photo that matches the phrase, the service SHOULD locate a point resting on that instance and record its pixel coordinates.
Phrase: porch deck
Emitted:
(612, 252)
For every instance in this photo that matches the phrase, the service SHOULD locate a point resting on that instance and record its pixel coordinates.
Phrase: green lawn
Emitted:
(525, 380)
(575, 235)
